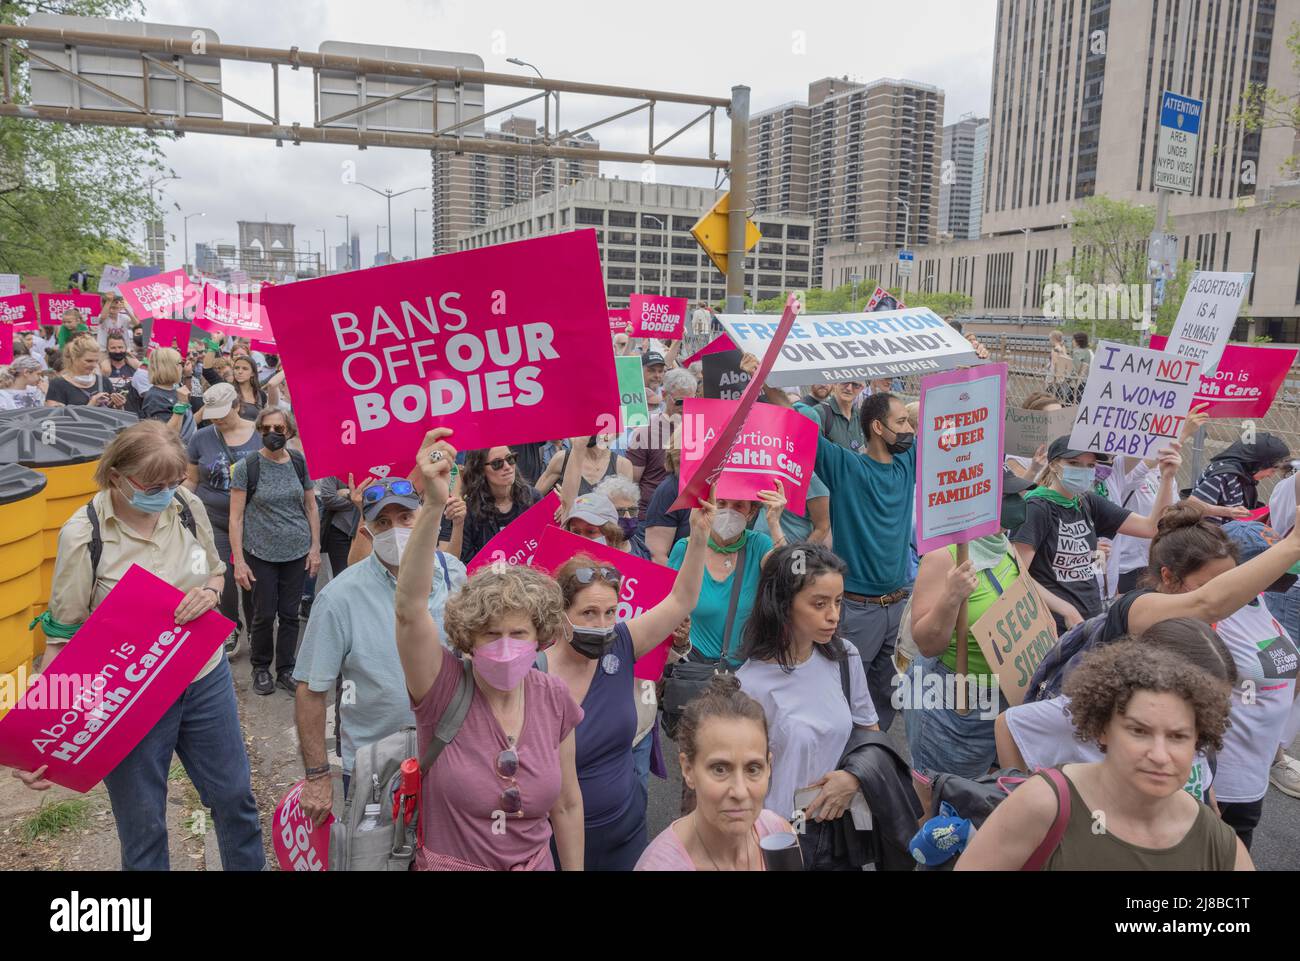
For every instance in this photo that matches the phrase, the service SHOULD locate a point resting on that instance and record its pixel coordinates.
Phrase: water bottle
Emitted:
(371, 820)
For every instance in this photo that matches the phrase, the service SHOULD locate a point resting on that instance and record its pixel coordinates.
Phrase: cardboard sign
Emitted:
(828, 348)
(112, 277)
(20, 311)
(1015, 633)
(517, 541)
(107, 688)
(170, 296)
(231, 314)
(1028, 430)
(774, 442)
(959, 456)
(620, 321)
(170, 333)
(717, 345)
(884, 300)
(697, 489)
(1135, 400)
(503, 344)
(662, 317)
(723, 379)
(299, 844)
(644, 585)
(1247, 380)
(38, 285)
(1207, 316)
(632, 408)
(52, 306)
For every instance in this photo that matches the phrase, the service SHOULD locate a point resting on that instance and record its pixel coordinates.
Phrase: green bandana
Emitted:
(987, 552)
(53, 628)
(1053, 496)
(730, 548)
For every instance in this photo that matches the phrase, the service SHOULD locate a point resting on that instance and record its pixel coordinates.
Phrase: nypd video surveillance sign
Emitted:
(1180, 132)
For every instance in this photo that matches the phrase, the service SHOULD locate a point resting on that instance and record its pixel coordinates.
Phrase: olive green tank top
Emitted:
(1209, 845)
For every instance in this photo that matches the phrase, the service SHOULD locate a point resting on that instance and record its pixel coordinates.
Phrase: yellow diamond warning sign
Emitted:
(710, 232)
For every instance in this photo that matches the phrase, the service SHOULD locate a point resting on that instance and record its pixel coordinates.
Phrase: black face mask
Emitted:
(592, 642)
(117, 356)
(273, 441)
(1014, 512)
(901, 444)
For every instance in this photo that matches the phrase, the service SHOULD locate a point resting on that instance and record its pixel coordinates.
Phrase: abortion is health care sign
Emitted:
(959, 458)
(517, 542)
(775, 442)
(1135, 400)
(1246, 381)
(231, 314)
(504, 345)
(661, 317)
(644, 585)
(835, 347)
(126, 666)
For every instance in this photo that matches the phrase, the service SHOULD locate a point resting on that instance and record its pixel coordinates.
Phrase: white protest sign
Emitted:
(1207, 316)
(827, 348)
(111, 277)
(10, 285)
(1135, 400)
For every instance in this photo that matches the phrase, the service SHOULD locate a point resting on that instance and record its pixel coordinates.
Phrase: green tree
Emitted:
(70, 196)
(1268, 108)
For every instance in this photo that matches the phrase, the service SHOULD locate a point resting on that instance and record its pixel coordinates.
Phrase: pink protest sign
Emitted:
(1245, 382)
(170, 333)
(20, 311)
(167, 295)
(6, 344)
(496, 343)
(299, 844)
(697, 488)
(662, 317)
(959, 456)
(53, 305)
(619, 321)
(234, 315)
(883, 300)
(718, 345)
(644, 585)
(774, 442)
(517, 543)
(107, 688)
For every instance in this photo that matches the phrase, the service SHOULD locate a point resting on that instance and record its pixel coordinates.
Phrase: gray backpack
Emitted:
(376, 778)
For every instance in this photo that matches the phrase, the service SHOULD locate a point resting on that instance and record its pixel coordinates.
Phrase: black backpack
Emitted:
(253, 467)
(1059, 662)
(97, 540)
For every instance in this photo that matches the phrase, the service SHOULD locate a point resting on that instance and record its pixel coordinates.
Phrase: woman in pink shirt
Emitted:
(508, 777)
(726, 762)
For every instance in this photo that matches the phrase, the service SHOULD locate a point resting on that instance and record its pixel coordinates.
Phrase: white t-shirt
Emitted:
(1267, 664)
(808, 720)
(12, 398)
(1281, 506)
(1044, 734)
(1143, 483)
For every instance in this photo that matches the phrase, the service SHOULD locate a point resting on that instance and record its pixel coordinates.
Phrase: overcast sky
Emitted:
(692, 47)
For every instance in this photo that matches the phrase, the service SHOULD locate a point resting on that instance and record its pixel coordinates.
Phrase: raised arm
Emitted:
(418, 646)
(651, 628)
(1170, 460)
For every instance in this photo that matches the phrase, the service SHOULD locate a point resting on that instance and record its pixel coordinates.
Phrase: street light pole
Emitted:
(663, 277)
(1024, 288)
(185, 260)
(415, 232)
(325, 249)
(555, 161)
(389, 194)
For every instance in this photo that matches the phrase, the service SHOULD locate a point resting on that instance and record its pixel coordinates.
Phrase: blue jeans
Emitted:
(1286, 608)
(641, 759)
(939, 738)
(203, 728)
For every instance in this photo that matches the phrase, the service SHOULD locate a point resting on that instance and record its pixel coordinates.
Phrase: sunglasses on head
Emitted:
(377, 492)
(585, 575)
(501, 462)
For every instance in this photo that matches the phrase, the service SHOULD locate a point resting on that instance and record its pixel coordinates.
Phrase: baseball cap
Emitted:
(593, 508)
(1060, 448)
(652, 357)
(218, 400)
(397, 491)
(1013, 483)
(1254, 538)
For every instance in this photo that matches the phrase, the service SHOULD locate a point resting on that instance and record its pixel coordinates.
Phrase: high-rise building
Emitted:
(873, 162)
(1055, 139)
(963, 164)
(469, 186)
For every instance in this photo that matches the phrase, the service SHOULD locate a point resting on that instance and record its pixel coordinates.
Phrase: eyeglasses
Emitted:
(280, 429)
(585, 575)
(501, 462)
(507, 767)
(156, 489)
(402, 488)
(628, 511)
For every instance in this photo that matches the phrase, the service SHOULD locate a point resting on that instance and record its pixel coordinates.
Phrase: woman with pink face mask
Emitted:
(508, 778)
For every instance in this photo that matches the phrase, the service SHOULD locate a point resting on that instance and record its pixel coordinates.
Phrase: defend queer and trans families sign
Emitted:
(497, 343)
(167, 295)
(662, 317)
(53, 305)
(1028, 430)
(1015, 634)
(644, 584)
(632, 407)
(1246, 381)
(1134, 402)
(861, 347)
(517, 542)
(959, 457)
(1207, 316)
(775, 442)
(110, 684)
(299, 844)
